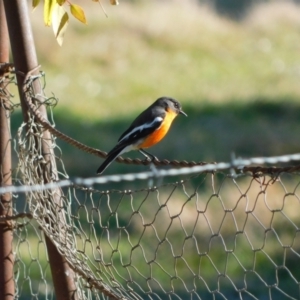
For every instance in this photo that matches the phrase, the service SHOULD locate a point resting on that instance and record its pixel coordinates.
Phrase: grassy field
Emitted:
(144, 51)
(239, 82)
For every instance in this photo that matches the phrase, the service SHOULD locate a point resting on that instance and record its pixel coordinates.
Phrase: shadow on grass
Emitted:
(210, 133)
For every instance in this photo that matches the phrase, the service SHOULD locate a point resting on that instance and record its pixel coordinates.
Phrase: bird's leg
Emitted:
(148, 155)
(151, 158)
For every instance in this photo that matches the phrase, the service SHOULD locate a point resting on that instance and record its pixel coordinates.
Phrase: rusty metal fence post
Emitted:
(25, 60)
(7, 287)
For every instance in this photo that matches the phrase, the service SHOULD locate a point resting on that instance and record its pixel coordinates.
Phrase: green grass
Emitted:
(238, 82)
(116, 66)
(210, 133)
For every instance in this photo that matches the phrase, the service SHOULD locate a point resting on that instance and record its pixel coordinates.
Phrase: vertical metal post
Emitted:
(7, 287)
(25, 60)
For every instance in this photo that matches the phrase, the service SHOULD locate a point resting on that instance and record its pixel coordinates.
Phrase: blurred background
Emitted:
(234, 65)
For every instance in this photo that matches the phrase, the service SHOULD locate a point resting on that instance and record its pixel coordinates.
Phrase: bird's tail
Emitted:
(112, 155)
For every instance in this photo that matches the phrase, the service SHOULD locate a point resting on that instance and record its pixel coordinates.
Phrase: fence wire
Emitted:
(212, 233)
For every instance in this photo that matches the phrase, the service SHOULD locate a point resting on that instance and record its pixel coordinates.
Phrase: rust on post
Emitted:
(25, 60)
(7, 286)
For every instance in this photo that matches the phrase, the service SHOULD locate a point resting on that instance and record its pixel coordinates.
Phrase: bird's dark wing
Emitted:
(135, 133)
(129, 137)
(147, 122)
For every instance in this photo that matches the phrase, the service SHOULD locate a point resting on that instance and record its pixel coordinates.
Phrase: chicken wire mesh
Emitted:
(207, 237)
(211, 235)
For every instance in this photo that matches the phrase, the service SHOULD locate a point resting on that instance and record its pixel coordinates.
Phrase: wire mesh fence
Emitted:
(209, 236)
(218, 231)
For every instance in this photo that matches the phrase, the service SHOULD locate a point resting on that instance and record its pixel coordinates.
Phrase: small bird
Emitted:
(146, 130)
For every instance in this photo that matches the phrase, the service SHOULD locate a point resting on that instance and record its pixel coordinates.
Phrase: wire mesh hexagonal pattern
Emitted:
(214, 234)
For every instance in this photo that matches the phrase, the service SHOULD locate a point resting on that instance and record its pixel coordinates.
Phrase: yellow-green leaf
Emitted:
(35, 3)
(60, 2)
(48, 8)
(78, 13)
(60, 21)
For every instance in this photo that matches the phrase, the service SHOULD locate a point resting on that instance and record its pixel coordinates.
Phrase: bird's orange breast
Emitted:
(159, 133)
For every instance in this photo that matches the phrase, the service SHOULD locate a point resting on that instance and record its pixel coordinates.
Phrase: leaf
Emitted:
(35, 3)
(60, 2)
(48, 8)
(78, 13)
(114, 2)
(60, 22)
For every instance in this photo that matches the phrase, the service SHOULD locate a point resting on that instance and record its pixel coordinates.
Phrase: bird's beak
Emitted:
(183, 113)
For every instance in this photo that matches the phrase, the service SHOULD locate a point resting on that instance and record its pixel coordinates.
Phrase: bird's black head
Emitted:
(170, 103)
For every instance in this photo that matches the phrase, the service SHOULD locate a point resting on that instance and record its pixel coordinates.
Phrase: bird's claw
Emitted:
(151, 159)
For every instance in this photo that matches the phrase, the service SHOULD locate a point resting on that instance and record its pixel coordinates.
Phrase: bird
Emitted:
(146, 130)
